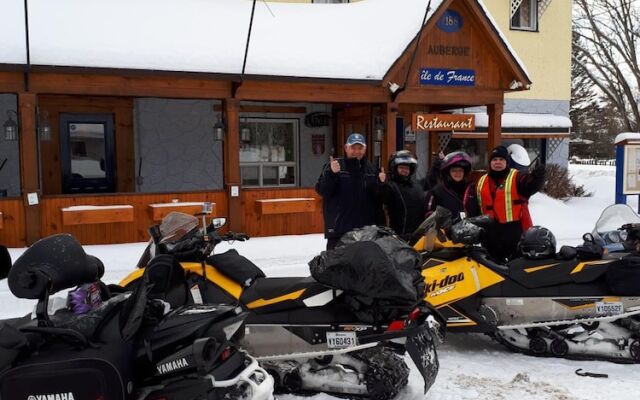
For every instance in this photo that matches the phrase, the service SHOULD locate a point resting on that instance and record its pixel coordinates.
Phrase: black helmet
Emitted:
(456, 159)
(537, 242)
(402, 157)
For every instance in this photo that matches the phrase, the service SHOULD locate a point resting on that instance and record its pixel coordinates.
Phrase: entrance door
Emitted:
(87, 153)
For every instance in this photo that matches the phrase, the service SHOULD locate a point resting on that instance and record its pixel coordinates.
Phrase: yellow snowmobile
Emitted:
(574, 304)
(310, 336)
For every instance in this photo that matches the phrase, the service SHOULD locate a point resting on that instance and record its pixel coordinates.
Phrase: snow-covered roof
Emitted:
(621, 137)
(359, 40)
(526, 120)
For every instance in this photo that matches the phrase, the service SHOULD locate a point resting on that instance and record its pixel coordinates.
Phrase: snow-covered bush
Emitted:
(558, 184)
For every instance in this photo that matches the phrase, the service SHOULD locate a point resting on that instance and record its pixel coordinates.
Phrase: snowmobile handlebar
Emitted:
(482, 257)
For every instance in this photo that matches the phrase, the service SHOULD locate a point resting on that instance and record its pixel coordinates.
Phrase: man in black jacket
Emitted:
(402, 196)
(349, 188)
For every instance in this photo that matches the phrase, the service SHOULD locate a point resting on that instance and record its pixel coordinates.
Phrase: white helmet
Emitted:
(519, 156)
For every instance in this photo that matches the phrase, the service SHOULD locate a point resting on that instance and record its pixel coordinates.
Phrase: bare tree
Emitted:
(607, 33)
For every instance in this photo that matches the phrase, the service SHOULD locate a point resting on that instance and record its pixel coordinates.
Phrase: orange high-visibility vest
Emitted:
(506, 205)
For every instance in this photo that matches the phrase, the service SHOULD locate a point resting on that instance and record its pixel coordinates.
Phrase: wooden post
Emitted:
(494, 130)
(389, 143)
(231, 109)
(29, 174)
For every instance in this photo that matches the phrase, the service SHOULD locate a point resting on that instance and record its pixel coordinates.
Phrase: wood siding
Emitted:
(258, 224)
(117, 232)
(13, 230)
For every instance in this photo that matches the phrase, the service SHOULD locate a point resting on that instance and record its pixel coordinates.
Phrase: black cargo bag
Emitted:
(67, 373)
(623, 276)
(372, 263)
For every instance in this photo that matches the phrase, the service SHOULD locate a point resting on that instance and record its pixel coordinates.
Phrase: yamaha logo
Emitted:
(52, 396)
(172, 366)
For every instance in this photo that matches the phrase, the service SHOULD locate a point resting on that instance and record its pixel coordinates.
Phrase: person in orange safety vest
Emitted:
(503, 193)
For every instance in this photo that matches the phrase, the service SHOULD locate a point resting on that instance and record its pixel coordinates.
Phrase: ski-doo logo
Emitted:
(172, 366)
(444, 282)
(52, 396)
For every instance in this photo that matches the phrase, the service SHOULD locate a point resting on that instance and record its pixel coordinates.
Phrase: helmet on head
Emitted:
(537, 242)
(402, 157)
(458, 159)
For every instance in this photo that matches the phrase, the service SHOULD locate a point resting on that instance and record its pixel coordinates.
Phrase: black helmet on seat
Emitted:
(537, 242)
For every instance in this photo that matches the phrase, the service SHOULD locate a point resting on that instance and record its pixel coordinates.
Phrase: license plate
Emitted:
(609, 307)
(341, 339)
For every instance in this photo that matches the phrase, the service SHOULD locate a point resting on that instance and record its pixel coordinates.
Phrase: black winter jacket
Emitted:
(350, 197)
(404, 201)
(449, 195)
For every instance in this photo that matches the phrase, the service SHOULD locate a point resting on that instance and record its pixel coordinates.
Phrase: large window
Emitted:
(86, 143)
(524, 15)
(268, 152)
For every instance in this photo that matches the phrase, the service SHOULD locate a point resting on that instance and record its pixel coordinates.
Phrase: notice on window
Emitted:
(631, 180)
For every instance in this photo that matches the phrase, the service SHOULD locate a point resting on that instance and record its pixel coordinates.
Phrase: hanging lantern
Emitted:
(11, 127)
(218, 129)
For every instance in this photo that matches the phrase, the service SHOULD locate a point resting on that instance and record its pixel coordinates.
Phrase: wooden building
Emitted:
(107, 144)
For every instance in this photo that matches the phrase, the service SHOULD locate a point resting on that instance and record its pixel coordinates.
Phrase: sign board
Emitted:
(450, 22)
(443, 122)
(447, 77)
(631, 177)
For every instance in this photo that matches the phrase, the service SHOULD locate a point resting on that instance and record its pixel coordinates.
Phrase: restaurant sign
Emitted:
(447, 77)
(443, 122)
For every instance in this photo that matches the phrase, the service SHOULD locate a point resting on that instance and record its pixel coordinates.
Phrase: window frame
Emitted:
(74, 185)
(535, 10)
(295, 122)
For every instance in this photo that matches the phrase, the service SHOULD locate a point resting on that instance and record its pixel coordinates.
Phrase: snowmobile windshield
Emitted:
(439, 219)
(611, 220)
(176, 225)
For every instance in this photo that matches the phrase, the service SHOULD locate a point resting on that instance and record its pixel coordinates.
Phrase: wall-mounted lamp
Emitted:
(515, 85)
(245, 132)
(218, 129)
(11, 127)
(393, 87)
(379, 129)
(44, 127)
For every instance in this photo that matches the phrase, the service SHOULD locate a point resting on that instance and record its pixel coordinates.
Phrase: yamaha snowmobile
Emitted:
(578, 303)
(105, 343)
(310, 336)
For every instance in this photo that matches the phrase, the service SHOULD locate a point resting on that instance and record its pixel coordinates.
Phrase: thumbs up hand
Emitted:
(382, 176)
(335, 165)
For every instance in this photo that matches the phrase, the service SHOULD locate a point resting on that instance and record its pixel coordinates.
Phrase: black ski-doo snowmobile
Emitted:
(313, 336)
(114, 345)
(578, 303)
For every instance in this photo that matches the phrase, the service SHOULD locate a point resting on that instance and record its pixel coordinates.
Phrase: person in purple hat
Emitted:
(350, 188)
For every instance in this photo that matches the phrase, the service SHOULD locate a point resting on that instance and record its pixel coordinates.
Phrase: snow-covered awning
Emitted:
(359, 40)
(526, 120)
(628, 136)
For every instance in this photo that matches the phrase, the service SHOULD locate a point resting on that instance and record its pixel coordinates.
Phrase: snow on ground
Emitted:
(471, 365)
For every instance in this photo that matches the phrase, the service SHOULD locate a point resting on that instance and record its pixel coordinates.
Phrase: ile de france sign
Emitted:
(443, 122)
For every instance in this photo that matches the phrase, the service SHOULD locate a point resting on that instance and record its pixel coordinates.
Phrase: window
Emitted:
(524, 15)
(268, 152)
(86, 143)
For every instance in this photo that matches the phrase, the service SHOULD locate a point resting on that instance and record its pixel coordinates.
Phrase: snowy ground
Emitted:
(471, 366)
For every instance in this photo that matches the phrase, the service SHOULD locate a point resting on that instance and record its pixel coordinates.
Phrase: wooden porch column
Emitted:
(494, 130)
(29, 174)
(389, 143)
(231, 145)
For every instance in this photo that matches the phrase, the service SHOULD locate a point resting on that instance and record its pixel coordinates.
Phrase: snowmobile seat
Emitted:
(52, 264)
(552, 271)
(279, 294)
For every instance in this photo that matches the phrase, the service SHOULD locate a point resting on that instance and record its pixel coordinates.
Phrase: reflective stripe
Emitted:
(508, 202)
(479, 191)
